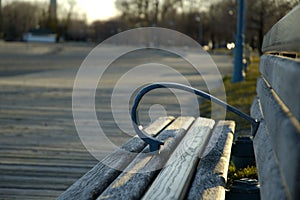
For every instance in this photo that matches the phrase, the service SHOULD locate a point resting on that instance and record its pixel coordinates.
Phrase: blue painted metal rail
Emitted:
(155, 143)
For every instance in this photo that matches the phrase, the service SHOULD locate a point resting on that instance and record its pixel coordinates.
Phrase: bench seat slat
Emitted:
(174, 179)
(211, 175)
(135, 179)
(99, 177)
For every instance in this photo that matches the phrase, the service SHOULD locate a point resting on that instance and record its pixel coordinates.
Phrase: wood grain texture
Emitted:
(269, 173)
(283, 75)
(97, 179)
(226, 127)
(173, 181)
(135, 179)
(28, 194)
(215, 193)
(284, 130)
(284, 35)
(212, 171)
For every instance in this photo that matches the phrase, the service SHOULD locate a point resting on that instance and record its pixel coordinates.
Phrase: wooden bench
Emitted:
(177, 172)
(277, 142)
(194, 160)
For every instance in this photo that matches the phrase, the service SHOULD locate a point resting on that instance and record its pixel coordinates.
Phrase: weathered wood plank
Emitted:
(49, 162)
(284, 130)
(211, 176)
(135, 179)
(282, 74)
(47, 171)
(30, 194)
(36, 182)
(25, 153)
(43, 150)
(284, 35)
(174, 179)
(97, 179)
(269, 174)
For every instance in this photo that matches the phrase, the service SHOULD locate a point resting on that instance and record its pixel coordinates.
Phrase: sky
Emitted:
(97, 9)
(94, 9)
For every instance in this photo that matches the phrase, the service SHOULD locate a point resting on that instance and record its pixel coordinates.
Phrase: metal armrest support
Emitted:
(155, 143)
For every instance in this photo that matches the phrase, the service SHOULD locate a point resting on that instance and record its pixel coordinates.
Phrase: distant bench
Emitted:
(277, 142)
(177, 174)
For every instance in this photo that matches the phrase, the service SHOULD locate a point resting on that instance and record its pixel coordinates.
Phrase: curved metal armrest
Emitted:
(155, 143)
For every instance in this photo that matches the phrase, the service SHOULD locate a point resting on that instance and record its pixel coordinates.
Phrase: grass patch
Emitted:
(239, 95)
(234, 174)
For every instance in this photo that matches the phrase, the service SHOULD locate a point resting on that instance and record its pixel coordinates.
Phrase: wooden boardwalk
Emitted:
(40, 151)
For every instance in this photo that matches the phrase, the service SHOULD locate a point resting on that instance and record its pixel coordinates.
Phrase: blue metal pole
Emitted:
(239, 42)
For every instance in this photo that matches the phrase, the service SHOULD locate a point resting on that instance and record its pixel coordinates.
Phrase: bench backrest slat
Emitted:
(267, 164)
(284, 35)
(277, 142)
(282, 130)
(284, 77)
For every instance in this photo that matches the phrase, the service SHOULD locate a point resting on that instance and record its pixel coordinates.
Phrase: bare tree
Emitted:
(77, 30)
(148, 12)
(214, 20)
(72, 25)
(135, 12)
(101, 30)
(19, 17)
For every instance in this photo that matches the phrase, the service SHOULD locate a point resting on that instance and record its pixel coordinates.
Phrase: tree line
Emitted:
(19, 17)
(209, 22)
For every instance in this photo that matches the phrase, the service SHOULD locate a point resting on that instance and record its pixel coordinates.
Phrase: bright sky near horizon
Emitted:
(94, 9)
(97, 9)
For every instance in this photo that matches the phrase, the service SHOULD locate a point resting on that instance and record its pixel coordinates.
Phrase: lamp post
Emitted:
(1, 21)
(239, 42)
(156, 14)
(198, 19)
